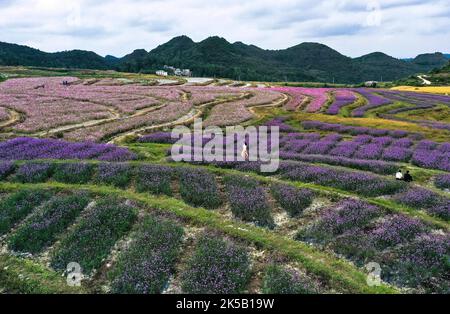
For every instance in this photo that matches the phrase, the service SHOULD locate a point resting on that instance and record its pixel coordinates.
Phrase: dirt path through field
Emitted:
(184, 120)
(278, 103)
(187, 119)
(116, 117)
(424, 80)
(14, 117)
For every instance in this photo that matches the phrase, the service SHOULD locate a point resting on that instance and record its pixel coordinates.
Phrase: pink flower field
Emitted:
(236, 112)
(318, 97)
(3, 114)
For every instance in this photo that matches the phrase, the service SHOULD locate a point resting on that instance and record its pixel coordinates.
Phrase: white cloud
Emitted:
(397, 27)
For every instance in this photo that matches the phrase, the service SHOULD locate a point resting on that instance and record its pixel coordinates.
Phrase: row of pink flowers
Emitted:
(318, 97)
(232, 113)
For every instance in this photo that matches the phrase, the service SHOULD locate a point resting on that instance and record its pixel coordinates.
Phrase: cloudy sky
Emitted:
(401, 28)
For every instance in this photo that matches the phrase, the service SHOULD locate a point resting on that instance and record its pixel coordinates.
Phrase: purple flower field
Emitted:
(342, 99)
(353, 130)
(154, 179)
(415, 100)
(24, 148)
(427, 200)
(18, 205)
(291, 199)
(374, 101)
(117, 174)
(146, 266)
(423, 262)
(443, 181)
(92, 239)
(6, 168)
(74, 173)
(138, 222)
(411, 254)
(359, 182)
(33, 172)
(43, 228)
(199, 188)
(248, 201)
(216, 267)
(344, 217)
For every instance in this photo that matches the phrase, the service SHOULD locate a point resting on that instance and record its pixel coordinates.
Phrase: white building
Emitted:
(371, 84)
(186, 72)
(162, 73)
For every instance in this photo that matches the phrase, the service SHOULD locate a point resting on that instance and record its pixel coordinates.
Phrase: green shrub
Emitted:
(278, 280)
(34, 172)
(154, 179)
(248, 201)
(116, 174)
(74, 173)
(217, 267)
(199, 188)
(292, 199)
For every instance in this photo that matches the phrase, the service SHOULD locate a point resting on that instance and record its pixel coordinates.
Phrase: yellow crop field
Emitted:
(426, 89)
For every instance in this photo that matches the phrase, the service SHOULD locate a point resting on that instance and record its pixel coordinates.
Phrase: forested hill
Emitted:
(216, 57)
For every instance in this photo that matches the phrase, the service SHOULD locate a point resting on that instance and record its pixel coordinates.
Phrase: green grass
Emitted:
(337, 273)
(150, 151)
(420, 175)
(374, 113)
(377, 123)
(22, 71)
(27, 277)
(346, 111)
(440, 113)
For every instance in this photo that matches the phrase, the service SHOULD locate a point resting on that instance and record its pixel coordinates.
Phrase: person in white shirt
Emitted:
(244, 153)
(399, 175)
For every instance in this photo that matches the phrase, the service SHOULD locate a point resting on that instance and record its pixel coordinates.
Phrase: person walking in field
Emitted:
(399, 175)
(244, 153)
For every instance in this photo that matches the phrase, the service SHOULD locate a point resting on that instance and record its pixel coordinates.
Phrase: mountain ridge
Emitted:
(216, 57)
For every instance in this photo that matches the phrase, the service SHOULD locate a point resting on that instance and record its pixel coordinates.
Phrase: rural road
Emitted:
(424, 81)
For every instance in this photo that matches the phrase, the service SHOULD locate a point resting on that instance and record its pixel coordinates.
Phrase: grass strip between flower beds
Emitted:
(388, 204)
(25, 276)
(385, 203)
(337, 273)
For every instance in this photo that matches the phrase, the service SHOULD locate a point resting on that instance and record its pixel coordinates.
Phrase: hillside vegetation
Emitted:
(216, 57)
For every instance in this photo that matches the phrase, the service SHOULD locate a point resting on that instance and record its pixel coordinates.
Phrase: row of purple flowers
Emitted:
(25, 148)
(409, 251)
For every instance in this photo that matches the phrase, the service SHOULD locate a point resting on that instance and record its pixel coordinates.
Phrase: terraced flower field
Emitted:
(87, 177)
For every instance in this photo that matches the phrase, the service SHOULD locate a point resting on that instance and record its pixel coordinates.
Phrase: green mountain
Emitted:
(12, 55)
(440, 76)
(216, 57)
(437, 77)
(381, 67)
(430, 60)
